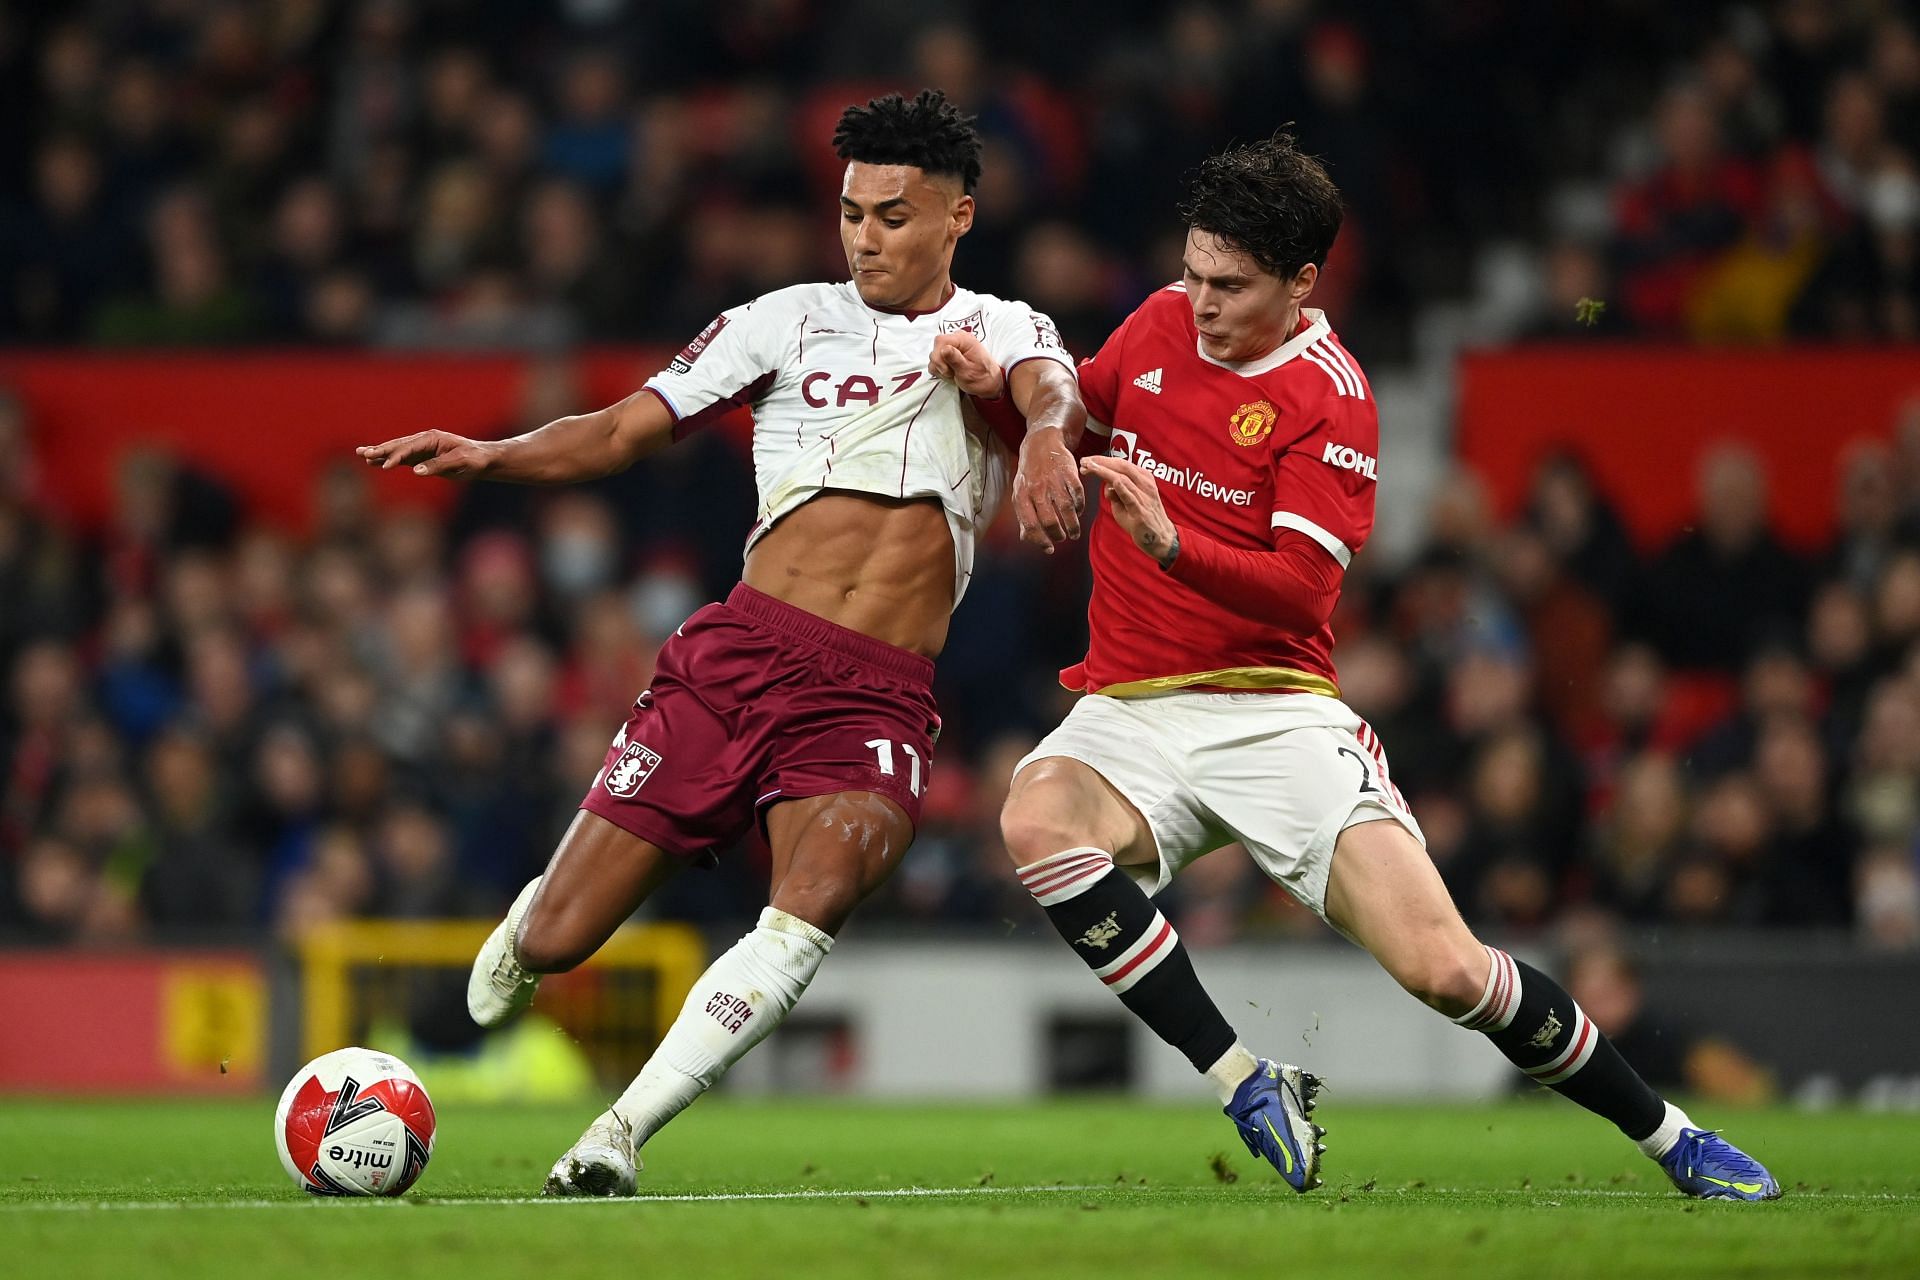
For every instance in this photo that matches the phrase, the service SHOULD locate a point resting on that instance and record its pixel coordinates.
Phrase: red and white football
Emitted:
(354, 1122)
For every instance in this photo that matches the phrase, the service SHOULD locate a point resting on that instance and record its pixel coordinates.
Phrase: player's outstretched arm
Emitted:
(584, 446)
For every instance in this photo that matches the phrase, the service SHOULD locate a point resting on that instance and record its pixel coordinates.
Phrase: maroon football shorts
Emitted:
(754, 702)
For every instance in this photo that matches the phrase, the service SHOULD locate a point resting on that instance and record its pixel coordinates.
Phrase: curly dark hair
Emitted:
(1268, 199)
(929, 133)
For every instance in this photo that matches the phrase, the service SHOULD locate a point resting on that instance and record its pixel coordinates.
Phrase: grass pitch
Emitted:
(1085, 1188)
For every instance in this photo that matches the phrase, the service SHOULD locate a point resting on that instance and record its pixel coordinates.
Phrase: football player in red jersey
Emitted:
(1239, 482)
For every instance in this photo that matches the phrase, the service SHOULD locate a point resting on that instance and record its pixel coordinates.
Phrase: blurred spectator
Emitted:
(192, 301)
(1692, 206)
(65, 252)
(1575, 275)
(1748, 293)
(1641, 839)
(567, 263)
(198, 878)
(1719, 590)
(588, 140)
(308, 245)
(1669, 1053)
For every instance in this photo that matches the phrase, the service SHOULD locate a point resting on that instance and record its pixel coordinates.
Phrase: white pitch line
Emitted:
(884, 1193)
(1547, 1193)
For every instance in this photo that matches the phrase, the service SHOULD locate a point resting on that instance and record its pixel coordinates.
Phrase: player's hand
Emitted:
(1134, 496)
(431, 453)
(1047, 494)
(963, 358)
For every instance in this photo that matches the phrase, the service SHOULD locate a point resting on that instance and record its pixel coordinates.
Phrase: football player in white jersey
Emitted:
(804, 702)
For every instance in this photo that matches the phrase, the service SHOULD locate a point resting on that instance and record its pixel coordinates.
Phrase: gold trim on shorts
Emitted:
(1226, 678)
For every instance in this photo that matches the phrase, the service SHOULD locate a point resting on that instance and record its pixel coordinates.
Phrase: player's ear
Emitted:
(1302, 283)
(960, 216)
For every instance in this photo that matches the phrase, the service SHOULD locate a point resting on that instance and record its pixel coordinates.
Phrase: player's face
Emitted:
(1242, 311)
(898, 226)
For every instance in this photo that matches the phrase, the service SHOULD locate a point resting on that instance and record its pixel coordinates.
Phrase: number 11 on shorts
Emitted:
(883, 752)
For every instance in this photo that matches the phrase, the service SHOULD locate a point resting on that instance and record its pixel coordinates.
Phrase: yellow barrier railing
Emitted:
(674, 953)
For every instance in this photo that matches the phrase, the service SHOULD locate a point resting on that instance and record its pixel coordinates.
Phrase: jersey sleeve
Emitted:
(1100, 378)
(732, 362)
(1016, 333)
(1324, 481)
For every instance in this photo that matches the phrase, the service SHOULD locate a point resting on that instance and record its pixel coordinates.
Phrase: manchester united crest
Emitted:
(1253, 422)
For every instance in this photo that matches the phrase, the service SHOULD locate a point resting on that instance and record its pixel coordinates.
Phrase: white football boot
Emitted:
(498, 987)
(602, 1163)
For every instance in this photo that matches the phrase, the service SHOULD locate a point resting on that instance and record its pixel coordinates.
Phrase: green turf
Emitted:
(1525, 1189)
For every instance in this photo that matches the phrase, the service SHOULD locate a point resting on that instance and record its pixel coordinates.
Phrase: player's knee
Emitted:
(1445, 978)
(1032, 828)
(544, 948)
(1044, 814)
(824, 899)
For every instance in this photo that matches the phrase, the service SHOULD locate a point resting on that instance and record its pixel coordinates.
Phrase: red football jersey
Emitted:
(1289, 441)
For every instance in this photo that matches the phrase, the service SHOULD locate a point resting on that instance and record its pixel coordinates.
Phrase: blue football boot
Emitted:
(1706, 1165)
(1273, 1109)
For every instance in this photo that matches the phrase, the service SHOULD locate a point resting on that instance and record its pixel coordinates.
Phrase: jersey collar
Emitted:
(1316, 329)
(953, 291)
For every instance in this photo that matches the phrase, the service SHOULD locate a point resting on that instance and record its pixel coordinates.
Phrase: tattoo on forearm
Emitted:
(1165, 550)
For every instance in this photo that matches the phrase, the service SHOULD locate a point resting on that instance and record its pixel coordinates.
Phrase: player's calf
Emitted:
(1533, 1021)
(733, 1006)
(1118, 933)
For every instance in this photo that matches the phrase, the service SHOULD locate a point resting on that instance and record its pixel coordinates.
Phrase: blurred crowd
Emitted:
(209, 724)
(459, 173)
(213, 726)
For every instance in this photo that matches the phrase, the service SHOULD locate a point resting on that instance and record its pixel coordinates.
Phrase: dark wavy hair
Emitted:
(928, 133)
(1268, 199)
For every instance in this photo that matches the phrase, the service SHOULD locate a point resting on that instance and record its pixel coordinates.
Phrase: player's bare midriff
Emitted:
(879, 566)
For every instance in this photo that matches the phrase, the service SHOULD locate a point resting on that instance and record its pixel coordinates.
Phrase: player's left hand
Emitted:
(1047, 495)
(964, 359)
(1134, 497)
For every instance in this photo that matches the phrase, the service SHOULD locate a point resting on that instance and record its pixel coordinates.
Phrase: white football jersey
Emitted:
(842, 399)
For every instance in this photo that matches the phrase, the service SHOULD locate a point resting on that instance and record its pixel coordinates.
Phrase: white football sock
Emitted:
(739, 999)
(1661, 1140)
(1235, 1065)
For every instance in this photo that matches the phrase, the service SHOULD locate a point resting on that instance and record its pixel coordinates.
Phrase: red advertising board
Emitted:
(1643, 417)
(132, 1022)
(270, 423)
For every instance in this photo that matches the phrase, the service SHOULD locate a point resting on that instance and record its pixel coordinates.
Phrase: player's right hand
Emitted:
(964, 358)
(430, 453)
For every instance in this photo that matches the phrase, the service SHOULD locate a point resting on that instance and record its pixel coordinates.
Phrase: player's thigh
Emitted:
(1103, 778)
(1287, 776)
(1058, 802)
(597, 877)
(831, 851)
(1385, 893)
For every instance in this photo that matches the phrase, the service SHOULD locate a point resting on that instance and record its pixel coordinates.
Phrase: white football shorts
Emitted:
(1282, 773)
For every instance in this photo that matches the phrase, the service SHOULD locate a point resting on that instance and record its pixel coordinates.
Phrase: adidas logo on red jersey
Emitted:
(1149, 381)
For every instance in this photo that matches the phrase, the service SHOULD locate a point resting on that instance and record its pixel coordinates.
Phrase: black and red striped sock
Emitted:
(1530, 1018)
(1115, 928)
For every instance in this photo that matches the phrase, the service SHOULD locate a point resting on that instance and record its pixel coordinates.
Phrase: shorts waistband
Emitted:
(830, 636)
